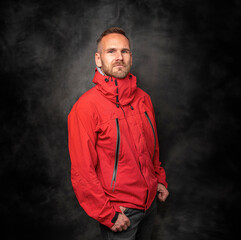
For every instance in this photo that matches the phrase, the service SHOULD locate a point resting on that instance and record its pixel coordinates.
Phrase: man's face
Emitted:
(114, 56)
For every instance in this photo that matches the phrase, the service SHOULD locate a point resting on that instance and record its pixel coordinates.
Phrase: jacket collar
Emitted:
(118, 91)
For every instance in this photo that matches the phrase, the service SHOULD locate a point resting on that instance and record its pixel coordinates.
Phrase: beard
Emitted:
(117, 70)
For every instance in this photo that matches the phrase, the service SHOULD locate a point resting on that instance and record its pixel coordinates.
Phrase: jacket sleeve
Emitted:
(88, 190)
(159, 170)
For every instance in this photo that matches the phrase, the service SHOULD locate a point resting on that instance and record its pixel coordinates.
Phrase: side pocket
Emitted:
(131, 211)
(113, 181)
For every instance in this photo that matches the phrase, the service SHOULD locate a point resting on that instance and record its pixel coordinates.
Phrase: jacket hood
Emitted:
(118, 91)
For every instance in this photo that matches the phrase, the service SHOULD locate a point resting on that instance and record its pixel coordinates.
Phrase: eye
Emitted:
(111, 51)
(125, 51)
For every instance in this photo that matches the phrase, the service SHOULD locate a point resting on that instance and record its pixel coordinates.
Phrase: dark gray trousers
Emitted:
(141, 225)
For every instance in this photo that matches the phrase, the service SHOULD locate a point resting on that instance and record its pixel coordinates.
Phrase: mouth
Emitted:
(119, 65)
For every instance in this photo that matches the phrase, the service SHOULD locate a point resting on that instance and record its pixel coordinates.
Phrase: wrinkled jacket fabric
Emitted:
(113, 148)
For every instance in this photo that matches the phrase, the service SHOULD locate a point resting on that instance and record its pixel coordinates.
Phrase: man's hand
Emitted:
(122, 222)
(162, 192)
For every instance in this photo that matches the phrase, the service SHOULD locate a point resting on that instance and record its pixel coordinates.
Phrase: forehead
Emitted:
(114, 40)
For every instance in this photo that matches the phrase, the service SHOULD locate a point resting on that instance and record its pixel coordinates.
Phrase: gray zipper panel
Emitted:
(113, 181)
(149, 120)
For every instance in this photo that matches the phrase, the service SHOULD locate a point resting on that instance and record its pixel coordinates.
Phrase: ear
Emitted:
(98, 61)
(131, 58)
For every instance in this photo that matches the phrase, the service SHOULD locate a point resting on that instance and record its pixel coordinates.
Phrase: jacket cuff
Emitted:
(165, 184)
(162, 181)
(109, 220)
(115, 217)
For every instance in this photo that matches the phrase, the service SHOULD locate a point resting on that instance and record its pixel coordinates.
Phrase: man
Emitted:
(113, 145)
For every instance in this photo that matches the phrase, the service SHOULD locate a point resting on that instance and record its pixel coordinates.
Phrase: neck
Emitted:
(100, 71)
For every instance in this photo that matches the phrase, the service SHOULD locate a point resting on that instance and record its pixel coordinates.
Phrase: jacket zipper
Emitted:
(147, 192)
(113, 181)
(149, 120)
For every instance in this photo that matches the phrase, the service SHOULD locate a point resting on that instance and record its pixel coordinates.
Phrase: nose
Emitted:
(119, 56)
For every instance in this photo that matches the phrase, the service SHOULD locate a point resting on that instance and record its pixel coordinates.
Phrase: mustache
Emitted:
(119, 64)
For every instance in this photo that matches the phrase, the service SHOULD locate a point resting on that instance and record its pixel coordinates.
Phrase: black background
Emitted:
(185, 55)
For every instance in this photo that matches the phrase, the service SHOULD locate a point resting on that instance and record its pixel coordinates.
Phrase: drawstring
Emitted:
(107, 79)
(117, 96)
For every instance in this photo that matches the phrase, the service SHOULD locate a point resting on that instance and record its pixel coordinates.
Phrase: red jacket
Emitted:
(114, 148)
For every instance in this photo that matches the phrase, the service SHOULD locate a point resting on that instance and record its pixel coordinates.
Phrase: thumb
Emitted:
(122, 209)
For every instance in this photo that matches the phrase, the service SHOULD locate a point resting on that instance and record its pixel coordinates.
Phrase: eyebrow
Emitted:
(126, 49)
(114, 49)
(108, 49)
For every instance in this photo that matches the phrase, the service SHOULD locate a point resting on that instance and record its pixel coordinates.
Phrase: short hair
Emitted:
(112, 30)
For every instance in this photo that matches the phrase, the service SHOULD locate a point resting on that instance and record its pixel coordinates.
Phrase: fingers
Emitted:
(121, 224)
(124, 227)
(119, 228)
(128, 222)
(113, 229)
(162, 192)
(162, 196)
